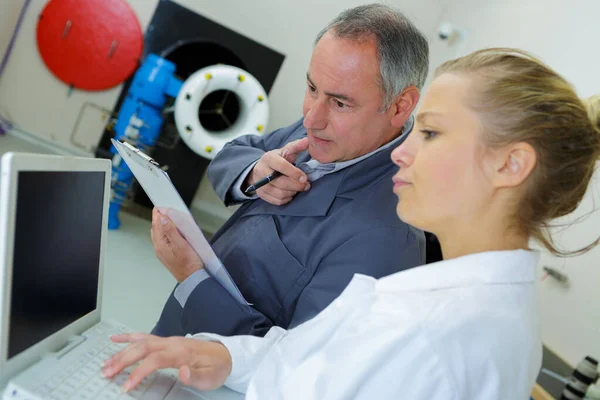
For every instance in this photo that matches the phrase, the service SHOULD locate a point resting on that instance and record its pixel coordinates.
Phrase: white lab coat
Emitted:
(466, 328)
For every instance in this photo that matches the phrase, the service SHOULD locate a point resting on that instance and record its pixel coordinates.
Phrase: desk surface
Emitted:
(136, 284)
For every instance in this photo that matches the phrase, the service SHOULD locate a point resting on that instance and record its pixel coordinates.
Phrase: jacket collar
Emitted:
(347, 183)
(316, 202)
(368, 173)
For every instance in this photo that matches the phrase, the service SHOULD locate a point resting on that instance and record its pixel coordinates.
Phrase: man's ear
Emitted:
(403, 106)
(514, 164)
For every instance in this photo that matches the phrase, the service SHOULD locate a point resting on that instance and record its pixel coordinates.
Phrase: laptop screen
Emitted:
(56, 260)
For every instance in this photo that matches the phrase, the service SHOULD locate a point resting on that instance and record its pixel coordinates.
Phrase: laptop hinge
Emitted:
(74, 341)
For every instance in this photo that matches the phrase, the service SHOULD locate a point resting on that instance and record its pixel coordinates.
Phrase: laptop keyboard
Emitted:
(82, 378)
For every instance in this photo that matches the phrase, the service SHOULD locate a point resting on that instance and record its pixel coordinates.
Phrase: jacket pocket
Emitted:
(262, 267)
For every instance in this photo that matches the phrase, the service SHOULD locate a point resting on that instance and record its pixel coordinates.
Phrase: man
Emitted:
(293, 246)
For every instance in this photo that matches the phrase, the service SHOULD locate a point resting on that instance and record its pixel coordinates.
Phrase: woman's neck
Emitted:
(461, 241)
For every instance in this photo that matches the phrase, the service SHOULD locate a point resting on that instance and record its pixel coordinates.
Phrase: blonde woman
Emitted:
(502, 145)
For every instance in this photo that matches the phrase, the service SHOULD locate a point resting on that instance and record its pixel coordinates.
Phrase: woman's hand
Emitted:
(201, 364)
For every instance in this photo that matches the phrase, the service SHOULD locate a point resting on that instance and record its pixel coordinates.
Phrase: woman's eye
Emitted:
(429, 134)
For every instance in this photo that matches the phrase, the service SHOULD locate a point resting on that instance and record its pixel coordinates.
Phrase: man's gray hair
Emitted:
(402, 49)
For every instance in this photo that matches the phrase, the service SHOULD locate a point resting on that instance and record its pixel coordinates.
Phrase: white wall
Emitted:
(38, 103)
(290, 27)
(563, 33)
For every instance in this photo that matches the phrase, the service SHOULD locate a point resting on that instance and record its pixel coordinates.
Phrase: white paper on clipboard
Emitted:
(157, 185)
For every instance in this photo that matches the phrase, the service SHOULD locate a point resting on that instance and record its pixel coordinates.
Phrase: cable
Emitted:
(14, 36)
(6, 125)
(556, 376)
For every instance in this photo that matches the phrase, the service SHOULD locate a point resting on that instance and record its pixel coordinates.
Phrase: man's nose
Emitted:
(317, 116)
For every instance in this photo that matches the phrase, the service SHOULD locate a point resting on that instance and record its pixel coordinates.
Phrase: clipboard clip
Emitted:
(139, 153)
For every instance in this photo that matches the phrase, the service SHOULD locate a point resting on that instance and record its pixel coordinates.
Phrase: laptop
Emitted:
(53, 340)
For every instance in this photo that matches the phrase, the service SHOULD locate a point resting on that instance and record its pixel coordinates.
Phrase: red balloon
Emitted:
(90, 44)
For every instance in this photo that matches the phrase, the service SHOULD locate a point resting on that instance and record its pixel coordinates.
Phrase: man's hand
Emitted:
(281, 190)
(172, 249)
(201, 364)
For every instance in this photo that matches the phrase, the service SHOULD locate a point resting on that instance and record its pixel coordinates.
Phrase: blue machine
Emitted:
(139, 122)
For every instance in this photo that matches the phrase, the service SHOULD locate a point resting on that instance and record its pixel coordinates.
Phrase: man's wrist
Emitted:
(185, 288)
(186, 272)
(241, 184)
(249, 180)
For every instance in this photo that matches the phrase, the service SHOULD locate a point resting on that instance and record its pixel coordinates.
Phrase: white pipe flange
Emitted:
(252, 118)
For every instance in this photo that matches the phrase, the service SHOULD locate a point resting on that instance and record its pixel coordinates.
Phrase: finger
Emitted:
(162, 210)
(159, 241)
(200, 378)
(185, 375)
(285, 183)
(278, 163)
(276, 192)
(270, 199)
(129, 337)
(124, 338)
(155, 217)
(274, 200)
(155, 361)
(209, 371)
(169, 230)
(290, 151)
(165, 229)
(158, 223)
(128, 356)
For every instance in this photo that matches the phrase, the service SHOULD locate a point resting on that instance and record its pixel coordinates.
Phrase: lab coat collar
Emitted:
(494, 267)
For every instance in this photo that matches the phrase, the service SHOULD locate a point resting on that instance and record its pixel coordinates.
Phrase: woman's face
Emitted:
(441, 181)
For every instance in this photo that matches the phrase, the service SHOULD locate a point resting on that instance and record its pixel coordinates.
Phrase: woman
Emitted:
(501, 146)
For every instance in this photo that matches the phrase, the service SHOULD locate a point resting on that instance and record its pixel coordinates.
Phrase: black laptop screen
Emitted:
(56, 253)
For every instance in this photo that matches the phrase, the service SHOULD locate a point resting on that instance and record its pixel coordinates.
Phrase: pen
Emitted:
(262, 182)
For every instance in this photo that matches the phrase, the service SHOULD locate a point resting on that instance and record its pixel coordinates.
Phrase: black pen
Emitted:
(262, 182)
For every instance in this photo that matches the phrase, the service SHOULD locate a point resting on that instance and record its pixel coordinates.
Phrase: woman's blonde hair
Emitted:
(520, 99)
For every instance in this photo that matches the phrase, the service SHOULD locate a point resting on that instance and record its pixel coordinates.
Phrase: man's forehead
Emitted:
(347, 57)
(340, 85)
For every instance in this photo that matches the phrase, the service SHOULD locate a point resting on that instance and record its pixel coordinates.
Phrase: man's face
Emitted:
(343, 100)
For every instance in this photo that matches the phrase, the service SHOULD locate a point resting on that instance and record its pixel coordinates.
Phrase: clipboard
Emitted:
(159, 188)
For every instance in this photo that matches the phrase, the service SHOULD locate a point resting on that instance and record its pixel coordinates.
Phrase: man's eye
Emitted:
(340, 104)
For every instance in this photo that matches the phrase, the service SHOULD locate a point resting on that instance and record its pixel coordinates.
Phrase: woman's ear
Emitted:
(514, 164)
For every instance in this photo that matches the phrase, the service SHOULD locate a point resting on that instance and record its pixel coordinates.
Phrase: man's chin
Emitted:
(319, 155)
